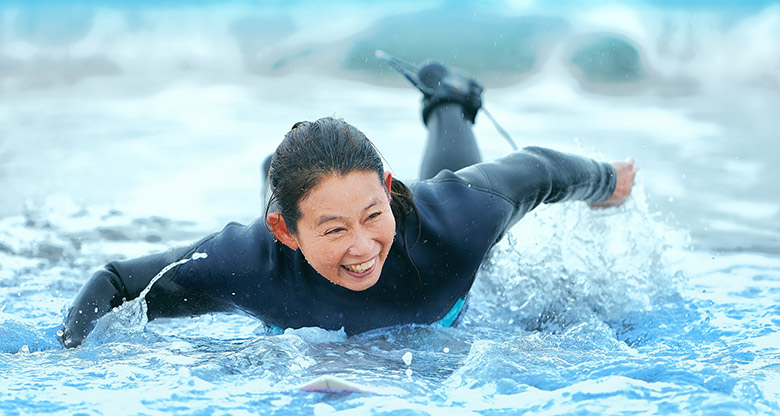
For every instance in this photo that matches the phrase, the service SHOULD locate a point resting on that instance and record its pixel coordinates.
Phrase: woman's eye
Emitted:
(374, 215)
(333, 231)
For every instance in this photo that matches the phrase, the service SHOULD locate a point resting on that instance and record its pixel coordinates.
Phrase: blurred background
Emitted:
(168, 108)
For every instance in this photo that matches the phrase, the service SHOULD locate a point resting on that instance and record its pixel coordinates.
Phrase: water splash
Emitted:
(131, 316)
(566, 264)
(19, 337)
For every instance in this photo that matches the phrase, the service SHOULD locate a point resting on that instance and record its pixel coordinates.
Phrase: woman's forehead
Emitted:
(343, 195)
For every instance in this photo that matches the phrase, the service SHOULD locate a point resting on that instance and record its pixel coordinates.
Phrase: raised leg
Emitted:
(451, 143)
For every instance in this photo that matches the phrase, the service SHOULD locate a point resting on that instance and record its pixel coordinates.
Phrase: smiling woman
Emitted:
(343, 224)
(333, 250)
(346, 230)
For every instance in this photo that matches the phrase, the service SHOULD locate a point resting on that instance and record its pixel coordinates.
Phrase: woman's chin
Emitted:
(359, 285)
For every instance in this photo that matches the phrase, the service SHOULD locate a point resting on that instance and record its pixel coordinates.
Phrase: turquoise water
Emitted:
(132, 128)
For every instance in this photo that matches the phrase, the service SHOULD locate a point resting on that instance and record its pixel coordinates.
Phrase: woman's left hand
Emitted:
(625, 172)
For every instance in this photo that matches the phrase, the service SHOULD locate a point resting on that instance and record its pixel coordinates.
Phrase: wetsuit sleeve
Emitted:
(536, 175)
(125, 280)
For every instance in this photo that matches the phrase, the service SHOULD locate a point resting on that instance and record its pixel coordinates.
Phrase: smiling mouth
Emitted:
(360, 268)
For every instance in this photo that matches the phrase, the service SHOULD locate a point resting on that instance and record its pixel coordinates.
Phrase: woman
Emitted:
(345, 245)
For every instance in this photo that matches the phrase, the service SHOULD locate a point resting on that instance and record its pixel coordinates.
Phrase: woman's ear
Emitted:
(388, 181)
(279, 228)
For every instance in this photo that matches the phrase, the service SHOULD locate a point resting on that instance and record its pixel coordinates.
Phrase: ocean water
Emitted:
(129, 128)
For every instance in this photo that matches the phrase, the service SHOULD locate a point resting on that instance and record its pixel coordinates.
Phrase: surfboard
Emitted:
(333, 384)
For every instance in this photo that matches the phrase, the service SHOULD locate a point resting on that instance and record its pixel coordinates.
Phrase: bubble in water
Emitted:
(407, 358)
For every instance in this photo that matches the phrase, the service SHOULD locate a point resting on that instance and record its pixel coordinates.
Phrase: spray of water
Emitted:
(567, 264)
(131, 316)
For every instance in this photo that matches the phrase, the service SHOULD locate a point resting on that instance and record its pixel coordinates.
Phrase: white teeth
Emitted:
(362, 267)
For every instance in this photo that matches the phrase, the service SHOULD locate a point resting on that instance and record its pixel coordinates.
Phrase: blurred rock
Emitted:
(473, 40)
(606, 59)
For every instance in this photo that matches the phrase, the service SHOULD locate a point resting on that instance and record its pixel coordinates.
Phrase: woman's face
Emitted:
(346, 228)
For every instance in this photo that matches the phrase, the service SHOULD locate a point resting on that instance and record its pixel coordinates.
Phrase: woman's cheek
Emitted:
(388, 232)
(336, 251)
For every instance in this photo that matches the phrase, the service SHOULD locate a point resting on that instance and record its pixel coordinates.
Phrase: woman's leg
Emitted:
(451, 99)
(451, 143)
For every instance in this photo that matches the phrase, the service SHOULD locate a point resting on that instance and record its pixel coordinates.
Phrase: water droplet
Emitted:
(60, 333)
(446, 350)
(407, 358)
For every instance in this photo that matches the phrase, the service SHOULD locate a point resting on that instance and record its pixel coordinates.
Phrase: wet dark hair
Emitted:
(313, 150)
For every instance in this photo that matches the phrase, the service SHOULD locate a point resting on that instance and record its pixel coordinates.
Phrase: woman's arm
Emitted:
(124, 280)
(536, 175)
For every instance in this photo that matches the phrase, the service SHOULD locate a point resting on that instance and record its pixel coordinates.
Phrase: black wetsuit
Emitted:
(462, 215)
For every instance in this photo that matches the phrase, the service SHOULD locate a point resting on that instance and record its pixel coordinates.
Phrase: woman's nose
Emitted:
(361, 244)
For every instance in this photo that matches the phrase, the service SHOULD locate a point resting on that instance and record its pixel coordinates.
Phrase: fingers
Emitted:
(632, 164)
